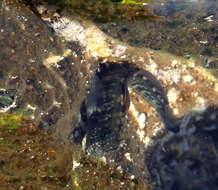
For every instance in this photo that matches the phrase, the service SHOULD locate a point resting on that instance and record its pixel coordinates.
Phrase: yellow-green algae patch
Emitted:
(10, 120)
(107, 10)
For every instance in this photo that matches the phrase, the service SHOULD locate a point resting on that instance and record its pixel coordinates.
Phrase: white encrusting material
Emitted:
(57, 103)
(172, 75)
(142, 119)
(52, 60)
(139, 117)
(173, 95)
(128, 156)
(189, 79)
(13, 105)
(200, 104)
(89, 36)
(119, 50)
(75, 164)
(30, 107)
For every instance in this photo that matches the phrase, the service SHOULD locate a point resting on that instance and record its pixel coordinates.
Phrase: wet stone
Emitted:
(29, 58)
(51, 83)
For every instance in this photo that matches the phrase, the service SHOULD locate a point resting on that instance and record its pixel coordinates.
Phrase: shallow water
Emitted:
(52, 89)
(186, 28)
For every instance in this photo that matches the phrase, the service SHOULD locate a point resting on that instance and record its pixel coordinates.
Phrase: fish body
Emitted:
(103, 110)
(149, 88)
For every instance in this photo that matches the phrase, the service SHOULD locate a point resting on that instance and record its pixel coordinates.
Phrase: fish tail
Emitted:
(170, 121)
(173, 126)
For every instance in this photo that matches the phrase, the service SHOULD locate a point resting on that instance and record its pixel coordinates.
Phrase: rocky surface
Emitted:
(30, 158)
(182, 21)
(187, 160)
(40, 67)
(103, 11)
(51, 73)
(49, 78)
(189, 87)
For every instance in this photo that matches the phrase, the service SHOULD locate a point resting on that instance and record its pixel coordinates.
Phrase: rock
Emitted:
(52, 81)
(37, 65)
(187, 160)
(143, 146)
(173, 95)
(188, 78)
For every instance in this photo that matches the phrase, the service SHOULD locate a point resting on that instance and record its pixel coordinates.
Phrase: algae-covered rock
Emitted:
(47, 90)
(188, 85)
(186, 28)
(106, 10)
(31, 158)
(51, 76)
(188, 160)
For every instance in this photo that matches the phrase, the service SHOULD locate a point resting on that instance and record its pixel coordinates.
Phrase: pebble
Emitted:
(191, 64)
(189, 79)
(128, 157)
(142, 119)
(174, 63)
(173, 95)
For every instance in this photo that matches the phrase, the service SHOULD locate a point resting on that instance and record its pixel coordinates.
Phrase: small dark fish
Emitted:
(103, 110)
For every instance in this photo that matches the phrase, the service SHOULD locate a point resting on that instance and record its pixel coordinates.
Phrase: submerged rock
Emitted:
(188, 160)
(51, 78)
(140, 145)
(104, 10)
(45, 72)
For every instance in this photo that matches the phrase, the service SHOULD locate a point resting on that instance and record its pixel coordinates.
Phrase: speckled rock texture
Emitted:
(190, 88)
(45, 72)
(51, 72)
(189, 160)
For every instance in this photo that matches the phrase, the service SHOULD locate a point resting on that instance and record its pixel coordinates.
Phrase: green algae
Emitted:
(134, 2)
(107, 10)
(5, 100)
(10, 120)
(7, 97)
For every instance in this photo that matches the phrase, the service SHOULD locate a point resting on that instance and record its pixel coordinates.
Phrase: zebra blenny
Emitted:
(103, 110)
